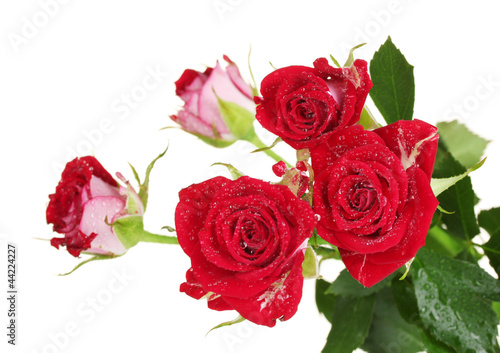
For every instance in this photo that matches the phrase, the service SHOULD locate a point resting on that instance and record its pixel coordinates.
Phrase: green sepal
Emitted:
(235, 173)
(143, 187)
(310, 267)
(335, 61)
(238, 120)
(143, 192)
(169, 228)
(350, 58)
(255, 91)
(93, 258)
(217, 143)
(367, 120)
(263, 149)
(228, 323)
(438, 185)
(129, 230)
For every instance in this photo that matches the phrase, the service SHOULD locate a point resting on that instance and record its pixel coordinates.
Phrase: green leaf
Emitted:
(393, 89)
(439, 185)
(346, 285)
(350, 58)
(238, 119)
(228, 323)
(454, 300)
(129, 230)
(466, 147)
(388, 331)
(490, 221)
(324, 302)
(406, 303)
(350, 323)
(310, 265)
(235, 173)
(458, 199)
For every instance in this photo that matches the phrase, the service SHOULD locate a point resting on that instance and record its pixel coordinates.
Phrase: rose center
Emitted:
(251, 237)
(362, 197)
(300, 109)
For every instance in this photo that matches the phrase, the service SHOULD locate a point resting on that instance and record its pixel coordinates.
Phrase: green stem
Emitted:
(255, 140)
(486, 248)
(161, 239)
(438, 239)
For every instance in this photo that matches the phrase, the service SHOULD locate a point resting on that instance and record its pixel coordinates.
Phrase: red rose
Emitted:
(304, 105)
(85, 198)
(372, 193)
(246, 240)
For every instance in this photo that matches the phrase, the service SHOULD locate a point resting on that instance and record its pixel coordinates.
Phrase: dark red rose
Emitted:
(372, 193)
(304, 105)
(246, 240)
(85, 197)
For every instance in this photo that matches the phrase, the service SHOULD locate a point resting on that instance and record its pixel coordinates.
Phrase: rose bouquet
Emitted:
(386, 194)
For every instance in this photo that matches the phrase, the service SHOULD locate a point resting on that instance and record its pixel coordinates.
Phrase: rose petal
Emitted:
(364, 271)
(192, 210)
(279, 301)
(95, 213)
(208, 105)
(413, 141)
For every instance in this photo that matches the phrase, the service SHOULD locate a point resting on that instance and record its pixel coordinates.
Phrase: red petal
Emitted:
(278, 301)
(413, 141)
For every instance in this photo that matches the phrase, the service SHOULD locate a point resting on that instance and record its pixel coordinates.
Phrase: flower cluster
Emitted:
(359, 192)
(371, 194)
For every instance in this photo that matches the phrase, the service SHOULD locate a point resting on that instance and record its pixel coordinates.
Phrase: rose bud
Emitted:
(373, 196)
(86, 208)
(304, 106)
(246, 239)
(295, 178)
(218, 104)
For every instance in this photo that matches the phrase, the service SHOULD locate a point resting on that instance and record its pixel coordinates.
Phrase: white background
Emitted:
(64, 73)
